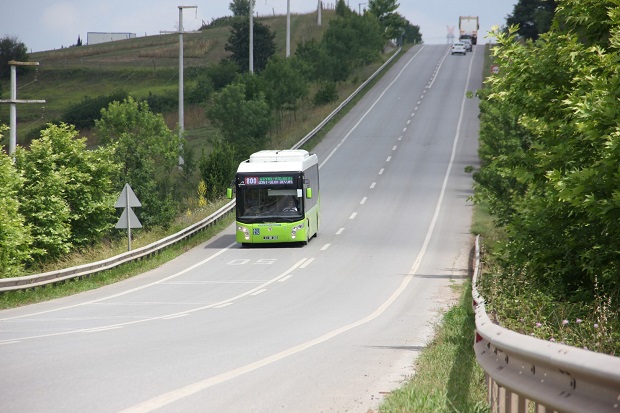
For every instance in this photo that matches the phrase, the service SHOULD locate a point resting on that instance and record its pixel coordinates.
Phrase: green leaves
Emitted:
(65, 194)
(549, 149)
(15, 237)
(147, 152)
(244, 121)
(239, 44)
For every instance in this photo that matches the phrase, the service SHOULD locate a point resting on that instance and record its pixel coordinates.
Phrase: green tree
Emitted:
(83, 114)
(15, 238)
(354, 40)
(285, 83)
(11, 49)
(254, 86)
(241, 7)
(218, 169)
(66, 195)
(550, 144)
(243, 122)
(342, 9)
(392, 23)
(239, 44)
(90, 181)
(412, 33)
(533, 17)
(319, 65)
(223, 74)
(148, 153)
(589, 20)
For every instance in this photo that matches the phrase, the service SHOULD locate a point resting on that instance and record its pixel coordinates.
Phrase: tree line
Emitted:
(58, 195)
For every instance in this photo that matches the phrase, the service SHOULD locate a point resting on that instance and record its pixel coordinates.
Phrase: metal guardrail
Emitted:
(524, 372)
(39, 280)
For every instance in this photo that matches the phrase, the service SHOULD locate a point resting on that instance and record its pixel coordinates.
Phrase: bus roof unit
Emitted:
(278, 160)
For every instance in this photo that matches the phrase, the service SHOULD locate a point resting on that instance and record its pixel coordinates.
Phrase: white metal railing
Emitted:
(524, 372)
(38, 280)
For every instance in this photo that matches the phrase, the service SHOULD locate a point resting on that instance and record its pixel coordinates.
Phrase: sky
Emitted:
(49, 24)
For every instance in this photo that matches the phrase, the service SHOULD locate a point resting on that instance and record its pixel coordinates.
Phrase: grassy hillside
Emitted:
(138, 66)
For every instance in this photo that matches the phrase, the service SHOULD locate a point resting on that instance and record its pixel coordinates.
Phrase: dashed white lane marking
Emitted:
(223, 305)
(363, 201)
(370, 108)
(306, 263)
(176, 316)
(388, 159)
(324, 247)
(381, 171)
(352, 216)
(339, 231)
(394, 147)
(285, 278)
(97, 330)
(373, 185)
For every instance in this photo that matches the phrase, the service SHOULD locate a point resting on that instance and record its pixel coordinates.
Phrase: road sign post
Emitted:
(128, 219)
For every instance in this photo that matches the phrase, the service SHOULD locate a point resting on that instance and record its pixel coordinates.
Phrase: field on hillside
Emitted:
(138, 66)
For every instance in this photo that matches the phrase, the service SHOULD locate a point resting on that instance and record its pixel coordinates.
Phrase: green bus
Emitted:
(277, 194)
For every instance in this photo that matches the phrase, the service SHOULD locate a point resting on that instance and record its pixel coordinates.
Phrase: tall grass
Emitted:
(448, 378)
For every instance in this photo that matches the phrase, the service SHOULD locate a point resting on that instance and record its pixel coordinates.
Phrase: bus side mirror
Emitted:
(229, 193)
(309, 193)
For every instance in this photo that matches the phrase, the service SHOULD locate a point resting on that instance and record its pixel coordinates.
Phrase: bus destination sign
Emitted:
(268, 180)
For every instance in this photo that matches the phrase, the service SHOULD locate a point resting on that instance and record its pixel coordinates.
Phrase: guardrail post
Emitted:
(518, 404)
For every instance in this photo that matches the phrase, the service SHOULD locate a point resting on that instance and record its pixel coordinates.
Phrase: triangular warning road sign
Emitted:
(134, 222)
(127, 198)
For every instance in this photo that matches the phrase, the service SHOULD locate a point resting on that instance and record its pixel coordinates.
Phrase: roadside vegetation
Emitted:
(549, 177)
(447, 376)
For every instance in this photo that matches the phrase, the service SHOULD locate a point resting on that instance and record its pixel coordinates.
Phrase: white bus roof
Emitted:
(278, 160)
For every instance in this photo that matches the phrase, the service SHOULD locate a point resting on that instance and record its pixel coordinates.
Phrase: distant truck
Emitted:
(468, 28)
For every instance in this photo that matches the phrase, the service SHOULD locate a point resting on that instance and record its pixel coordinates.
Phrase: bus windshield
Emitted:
(266, 203)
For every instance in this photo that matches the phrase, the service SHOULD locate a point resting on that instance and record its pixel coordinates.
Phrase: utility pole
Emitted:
(319, 7)
(13, 102)
(288, 28)
(251, 37)
(181, 82)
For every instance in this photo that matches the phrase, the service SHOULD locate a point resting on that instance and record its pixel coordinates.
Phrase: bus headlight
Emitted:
(295, 229)
(246, 232)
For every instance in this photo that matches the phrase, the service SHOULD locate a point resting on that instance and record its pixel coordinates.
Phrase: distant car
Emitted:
(459, 47)
(467, 44)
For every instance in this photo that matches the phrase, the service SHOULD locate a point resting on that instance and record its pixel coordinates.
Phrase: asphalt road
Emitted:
(328, 327)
